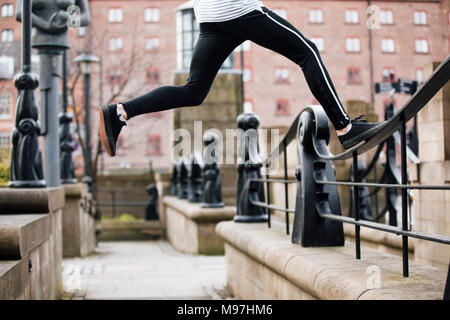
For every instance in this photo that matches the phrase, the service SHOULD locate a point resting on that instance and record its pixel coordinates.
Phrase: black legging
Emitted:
(216, 42)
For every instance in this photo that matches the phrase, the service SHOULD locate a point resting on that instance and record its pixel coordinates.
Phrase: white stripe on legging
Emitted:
(317, 58)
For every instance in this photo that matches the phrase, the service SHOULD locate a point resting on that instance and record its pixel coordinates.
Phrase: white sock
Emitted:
(121, 118)
(350, 128)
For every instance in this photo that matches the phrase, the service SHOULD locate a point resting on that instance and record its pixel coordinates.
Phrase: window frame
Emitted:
(389, 68)
(155, 50)
(152, 80)
(152, 8)
(393, 17)
(7, 116)
(353, 38)
(117, 50)
(116, 8)
(7, 5)
(150, 137)
(282, 113)
(415, 45)
(315, 22)
(393, 42)
(345, 16)
(426, 17)
(353, 81)
(281, 80)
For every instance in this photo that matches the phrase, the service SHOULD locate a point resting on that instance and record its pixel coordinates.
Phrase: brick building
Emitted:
(143, 43)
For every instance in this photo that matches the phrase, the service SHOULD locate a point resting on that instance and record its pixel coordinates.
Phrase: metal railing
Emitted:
(318, 220)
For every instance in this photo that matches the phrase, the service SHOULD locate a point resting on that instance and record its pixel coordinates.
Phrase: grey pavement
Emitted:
(144, 270)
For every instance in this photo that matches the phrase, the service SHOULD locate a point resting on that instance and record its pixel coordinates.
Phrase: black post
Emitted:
(286, 189)
(26, 159)
(87, 139)
(404, 196)
(356, 205)
(269, 222)
(66, 143)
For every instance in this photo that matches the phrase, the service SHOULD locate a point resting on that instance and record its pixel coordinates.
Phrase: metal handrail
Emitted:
(390, 128)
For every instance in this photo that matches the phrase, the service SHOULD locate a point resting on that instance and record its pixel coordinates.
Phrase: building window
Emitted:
(187, 35)
(354, 75)
(318, 41)
(5, 106)
(388, 74)
(6, 67)
(5, 140)
(387, 45)
(152, 44)
(7, 10)
(81, 31)
(120, 146)
(281, 74)
(7, 35)
(315, 16)
(115, 44)
(115, 15)
(386, 16)
(351, 16)
(282, 107)
(115, 76)
(248, 106)
(281, 12)
(154, 145)
(420, 17)
(419, 75)
(153, 75)
(152, 15)
(248, 74)
(421, 46)
(353, 44)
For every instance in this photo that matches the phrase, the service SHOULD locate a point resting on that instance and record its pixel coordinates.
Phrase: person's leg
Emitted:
(275, 33)
(269, 30)
(210, 52)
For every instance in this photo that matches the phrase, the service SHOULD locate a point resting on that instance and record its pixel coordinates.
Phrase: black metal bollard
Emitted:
(26, 158)
(151, 210)
(195, 178)
(212, 187)
(174, 181)
(182, 172)
(314, 199)
(249, 167)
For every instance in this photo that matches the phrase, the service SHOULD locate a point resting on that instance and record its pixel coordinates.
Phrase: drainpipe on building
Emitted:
(372, 93)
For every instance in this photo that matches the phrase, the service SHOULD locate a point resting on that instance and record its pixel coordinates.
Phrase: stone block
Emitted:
(31, 200)
(292, 272)
(191, 229)
(14, 277)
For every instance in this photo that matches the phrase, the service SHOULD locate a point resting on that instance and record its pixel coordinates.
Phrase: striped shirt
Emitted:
(223, 10)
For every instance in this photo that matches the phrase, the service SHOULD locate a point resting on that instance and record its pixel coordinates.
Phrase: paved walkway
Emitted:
(144, 270)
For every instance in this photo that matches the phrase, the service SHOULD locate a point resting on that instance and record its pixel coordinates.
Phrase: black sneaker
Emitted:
(110, 127)
(361, 130)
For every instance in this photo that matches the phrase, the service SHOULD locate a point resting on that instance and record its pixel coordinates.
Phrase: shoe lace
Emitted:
(360, 118)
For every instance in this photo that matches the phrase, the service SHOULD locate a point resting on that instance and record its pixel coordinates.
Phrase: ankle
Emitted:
(122, 111)
(344, 130)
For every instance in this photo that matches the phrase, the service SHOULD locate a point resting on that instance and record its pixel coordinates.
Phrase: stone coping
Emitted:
(195, 212)
(129, 225)
(21, 233)
(76, 190)
(14, 277)
(333, 272)
(378, 237)
(43, 200)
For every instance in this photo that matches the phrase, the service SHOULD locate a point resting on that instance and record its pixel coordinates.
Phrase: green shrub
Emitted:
(5, 163)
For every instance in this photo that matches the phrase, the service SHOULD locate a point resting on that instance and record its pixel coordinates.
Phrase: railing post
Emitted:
(195, 178)
(249, 167)
(212, 187)
(404, 170)
(269, 222)
(174, 181)
(356, 205)
(286, 189)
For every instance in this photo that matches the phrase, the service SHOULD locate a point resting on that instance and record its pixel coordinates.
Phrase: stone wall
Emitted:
(191, 229)
(78, 225)
(262, 263)
(31, 243)
(219, 111)
(432, 207)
